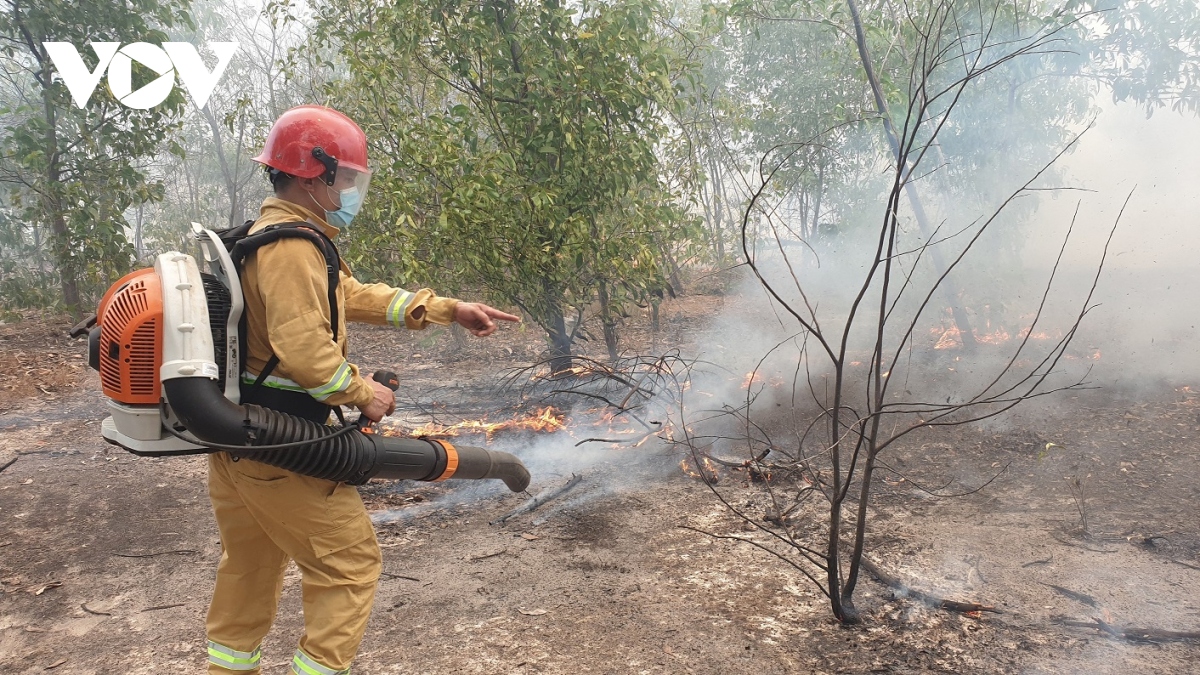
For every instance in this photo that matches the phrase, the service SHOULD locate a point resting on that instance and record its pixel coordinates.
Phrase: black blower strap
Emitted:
(241, 244)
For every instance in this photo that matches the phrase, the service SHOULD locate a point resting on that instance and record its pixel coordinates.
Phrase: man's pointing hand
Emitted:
(478, 318)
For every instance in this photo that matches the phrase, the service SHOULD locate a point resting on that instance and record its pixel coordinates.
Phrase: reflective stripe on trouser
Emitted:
(266, 516)
(232, 659)
(303, 664)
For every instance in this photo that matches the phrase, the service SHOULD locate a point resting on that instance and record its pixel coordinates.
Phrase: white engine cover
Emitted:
(187, 349)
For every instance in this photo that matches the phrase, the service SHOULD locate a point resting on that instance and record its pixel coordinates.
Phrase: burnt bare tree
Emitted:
(856, 412)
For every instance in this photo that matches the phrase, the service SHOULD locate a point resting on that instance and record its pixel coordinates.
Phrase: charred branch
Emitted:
(904, 590)
(543, 497)
(1134, 634)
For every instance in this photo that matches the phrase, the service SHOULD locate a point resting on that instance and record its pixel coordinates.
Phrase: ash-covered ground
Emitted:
(107, 560)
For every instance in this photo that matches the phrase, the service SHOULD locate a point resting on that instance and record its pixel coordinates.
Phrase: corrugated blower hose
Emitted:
(165, 341)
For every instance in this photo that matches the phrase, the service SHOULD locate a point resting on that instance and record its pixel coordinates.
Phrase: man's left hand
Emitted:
(478, 318)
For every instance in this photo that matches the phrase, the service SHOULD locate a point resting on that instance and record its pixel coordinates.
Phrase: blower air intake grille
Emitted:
(219, 305)
(129, 338)
(143, 370)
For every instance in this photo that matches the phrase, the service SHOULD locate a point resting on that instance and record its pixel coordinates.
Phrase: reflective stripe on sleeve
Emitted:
(303, 664)
(341, 381)
(232, 659)
(273, 382)
(399, 306)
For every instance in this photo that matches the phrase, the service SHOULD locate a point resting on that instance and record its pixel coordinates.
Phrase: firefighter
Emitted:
(316, 159)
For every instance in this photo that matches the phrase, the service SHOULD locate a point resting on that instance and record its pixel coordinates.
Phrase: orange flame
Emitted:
(756, 377)
(950, 337)
(545, 420)
(707, 470)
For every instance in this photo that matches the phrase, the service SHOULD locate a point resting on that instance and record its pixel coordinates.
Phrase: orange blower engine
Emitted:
(165, 342)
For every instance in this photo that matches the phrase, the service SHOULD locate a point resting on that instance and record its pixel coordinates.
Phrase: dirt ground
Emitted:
(107, 559)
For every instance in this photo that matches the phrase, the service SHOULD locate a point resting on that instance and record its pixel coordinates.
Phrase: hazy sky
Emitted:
(1161, 156)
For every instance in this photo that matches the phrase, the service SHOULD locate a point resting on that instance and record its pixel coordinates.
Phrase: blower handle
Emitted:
(388, 379)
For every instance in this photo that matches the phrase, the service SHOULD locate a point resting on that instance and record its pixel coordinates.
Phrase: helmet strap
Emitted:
(320, 207)
(330, 164)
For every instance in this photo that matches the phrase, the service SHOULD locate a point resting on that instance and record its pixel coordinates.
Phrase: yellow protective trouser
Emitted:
(267, 516)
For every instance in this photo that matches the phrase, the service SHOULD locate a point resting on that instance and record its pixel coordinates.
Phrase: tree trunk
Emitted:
(935, 255)
(832, 546)
(560, 339)
(227, 172)
(673, 278)
(718, 209)
(138, 227)
(803, 209)
(609, 323)
(816, 218)
(62, 246)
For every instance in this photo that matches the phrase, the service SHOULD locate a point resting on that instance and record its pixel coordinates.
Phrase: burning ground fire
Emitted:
(948, 336)
(626, 423)
(705, 469)
(615, 427)
(544, 420)
(755, 378)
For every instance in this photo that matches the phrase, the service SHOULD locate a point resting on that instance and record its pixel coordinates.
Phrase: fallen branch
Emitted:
(85, 608)
(389, 575)
(737, 464)
(932, 600)
(10, 463)
(158, 607)
(151, 555)
(1132, 634)
(545, 496)
(1074, 595)
(597, 440)
(485, 556)
(634, 441)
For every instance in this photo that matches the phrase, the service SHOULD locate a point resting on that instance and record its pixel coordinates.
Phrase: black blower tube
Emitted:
(353, 457)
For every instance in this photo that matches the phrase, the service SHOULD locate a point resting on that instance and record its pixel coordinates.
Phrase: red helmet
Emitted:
(311, 140)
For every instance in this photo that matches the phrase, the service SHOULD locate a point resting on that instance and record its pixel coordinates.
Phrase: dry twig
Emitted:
(151, 555)
(389, 575)
(158, 607)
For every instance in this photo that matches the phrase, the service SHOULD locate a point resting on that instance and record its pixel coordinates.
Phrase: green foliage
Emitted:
(516, 147)
(26, 279)
(1147, 51)
(73, 173)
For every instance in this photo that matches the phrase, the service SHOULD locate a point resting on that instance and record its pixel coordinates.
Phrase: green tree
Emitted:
(520, 148)
(1145, 51)
(73, 172)
(214, 181)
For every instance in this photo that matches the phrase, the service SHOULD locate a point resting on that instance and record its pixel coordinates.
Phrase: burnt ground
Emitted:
(107, 560)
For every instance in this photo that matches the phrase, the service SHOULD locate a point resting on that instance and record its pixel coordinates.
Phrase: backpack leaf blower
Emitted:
(165, 341)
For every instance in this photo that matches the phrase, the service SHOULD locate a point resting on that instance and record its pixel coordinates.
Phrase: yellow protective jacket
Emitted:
(286, 290)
